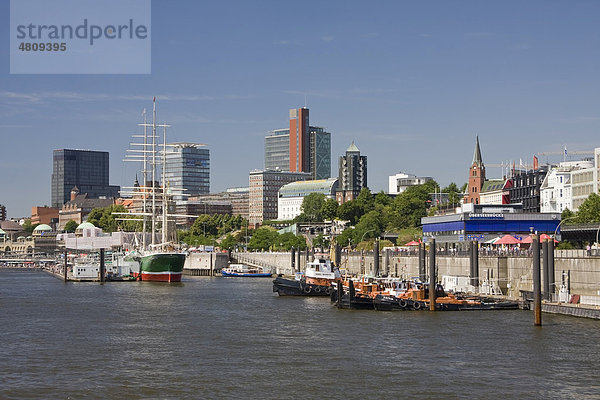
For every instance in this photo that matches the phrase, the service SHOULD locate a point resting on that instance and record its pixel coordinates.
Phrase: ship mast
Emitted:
(145, 177)
(164, 186)
(153, 171)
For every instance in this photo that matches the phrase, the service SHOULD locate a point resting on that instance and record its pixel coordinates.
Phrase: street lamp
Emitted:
(560, 223)
(363, 236)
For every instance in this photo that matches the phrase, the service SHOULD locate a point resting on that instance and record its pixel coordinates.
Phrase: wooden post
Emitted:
(340, 293)
(422, 262)
(551, 277)
(212, 272)
(432, 275)
(293, 254)
(537, 287)
(376, 258)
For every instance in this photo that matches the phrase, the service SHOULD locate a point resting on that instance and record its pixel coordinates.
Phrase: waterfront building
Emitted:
(187, 169)
(12, 230)
(78, 208)
(277, 150)
(291, 195)
(299, 148)
(494, 191)
(526, 186)
(352, 177)
(556, 188)
(264, 186)
(585, 181)
(44, 215)
(484, 222)
(233, 201)
(86, 169)
(2, 213)
(399, 182)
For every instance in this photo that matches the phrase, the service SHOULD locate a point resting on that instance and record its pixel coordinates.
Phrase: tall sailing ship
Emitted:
(158, 262)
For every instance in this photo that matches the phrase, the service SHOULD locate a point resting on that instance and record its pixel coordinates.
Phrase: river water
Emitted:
(213, 338)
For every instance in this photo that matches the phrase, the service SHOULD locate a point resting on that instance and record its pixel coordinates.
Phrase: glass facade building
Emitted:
(320, 153)
(277, 150)
(86, 169)
(187, 170)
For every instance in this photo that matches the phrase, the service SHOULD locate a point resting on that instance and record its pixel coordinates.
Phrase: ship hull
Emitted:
(162, 267)
(291, 287)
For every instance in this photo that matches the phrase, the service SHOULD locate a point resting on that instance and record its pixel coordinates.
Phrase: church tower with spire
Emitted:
(476, 176)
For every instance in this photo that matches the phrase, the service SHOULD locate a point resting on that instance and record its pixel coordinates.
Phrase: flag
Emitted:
(565, 151)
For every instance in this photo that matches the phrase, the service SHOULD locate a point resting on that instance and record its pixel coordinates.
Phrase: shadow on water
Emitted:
(229, 338)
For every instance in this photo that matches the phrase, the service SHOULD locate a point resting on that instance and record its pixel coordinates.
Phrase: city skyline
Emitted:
(411, 84)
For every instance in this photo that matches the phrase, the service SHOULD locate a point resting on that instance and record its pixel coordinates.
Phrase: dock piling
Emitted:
(340, 293)
(545, 270)
(551, 277)
(432, 274)
(376, 258)
(293, 254)
(422, 262)
(537, 287)
(102, 266)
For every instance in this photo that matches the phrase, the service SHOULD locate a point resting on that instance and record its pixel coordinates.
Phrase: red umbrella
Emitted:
(412, 243)
(508, 239)
(543, 236)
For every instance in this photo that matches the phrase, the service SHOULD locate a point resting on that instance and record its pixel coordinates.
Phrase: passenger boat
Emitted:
(320, 274)
(241, 270)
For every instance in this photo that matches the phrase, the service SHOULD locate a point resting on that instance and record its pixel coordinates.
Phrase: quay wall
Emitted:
(204, 264)
(511, 274)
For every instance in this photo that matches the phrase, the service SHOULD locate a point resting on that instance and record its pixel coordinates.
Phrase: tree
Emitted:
(263, 238)
(70, 226)
(28, 227)
(454, 193)
(589, 210)
(567, 214)
(350, 211)
(105, 219)
(365, 200)
(312, 205)
(369, 226)
(329, 209)
(383, 199)
(229, 242)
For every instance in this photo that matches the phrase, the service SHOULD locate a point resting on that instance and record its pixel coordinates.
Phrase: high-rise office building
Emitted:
(277, 150)
(352, 175)
(87, 170)
(301, 148)
(264, 186)
(320, 153)
(299, 140)
(187, 170)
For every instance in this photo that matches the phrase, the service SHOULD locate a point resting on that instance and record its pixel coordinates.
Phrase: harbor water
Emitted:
(213, 338)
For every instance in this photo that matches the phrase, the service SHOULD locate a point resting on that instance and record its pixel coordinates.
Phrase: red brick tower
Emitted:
(476, 176)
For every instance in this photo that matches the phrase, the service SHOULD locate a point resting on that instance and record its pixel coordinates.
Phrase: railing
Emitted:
(243, 258)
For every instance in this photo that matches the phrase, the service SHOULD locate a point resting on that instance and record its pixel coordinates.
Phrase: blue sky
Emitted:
(411, 83)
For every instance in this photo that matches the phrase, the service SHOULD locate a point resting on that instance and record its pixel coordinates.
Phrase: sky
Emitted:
(411, 83)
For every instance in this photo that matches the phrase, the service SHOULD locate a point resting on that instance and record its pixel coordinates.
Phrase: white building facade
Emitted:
(400, 182)
(291, 196)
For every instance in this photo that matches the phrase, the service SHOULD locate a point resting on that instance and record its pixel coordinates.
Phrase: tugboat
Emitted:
(320, 274)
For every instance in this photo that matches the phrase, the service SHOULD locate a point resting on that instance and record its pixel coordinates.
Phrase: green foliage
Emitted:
(382, 199)
(329, 209)
(311, 207)
(408, 235)
(263, 239)
(365, 200)
(70, 226)
(321, 241)
(350, 211)
(229, 242)
(28, 227)
(345, 239)
(564, 245)
(567, 214)
(103, 218)
(589, 210)
(454, 193)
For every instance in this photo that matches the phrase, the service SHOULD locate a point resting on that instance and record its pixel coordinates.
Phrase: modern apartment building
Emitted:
(352, 175)
(277, 150)
(398, 183)
(291, 195)
(87, 170)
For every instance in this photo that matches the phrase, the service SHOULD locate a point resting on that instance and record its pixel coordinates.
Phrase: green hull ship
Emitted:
(162, 267)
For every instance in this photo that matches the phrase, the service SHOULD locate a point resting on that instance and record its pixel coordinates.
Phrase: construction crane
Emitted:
(564, 153)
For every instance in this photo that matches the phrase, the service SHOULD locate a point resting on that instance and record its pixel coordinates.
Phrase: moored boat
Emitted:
(320, 274)
(162, 267)
(241, 270)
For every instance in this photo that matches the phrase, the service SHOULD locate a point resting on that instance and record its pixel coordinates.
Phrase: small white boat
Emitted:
(241, 270)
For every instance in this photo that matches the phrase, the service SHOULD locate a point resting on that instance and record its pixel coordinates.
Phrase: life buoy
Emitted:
(417, 305)
(307, 289)
(318, 289)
